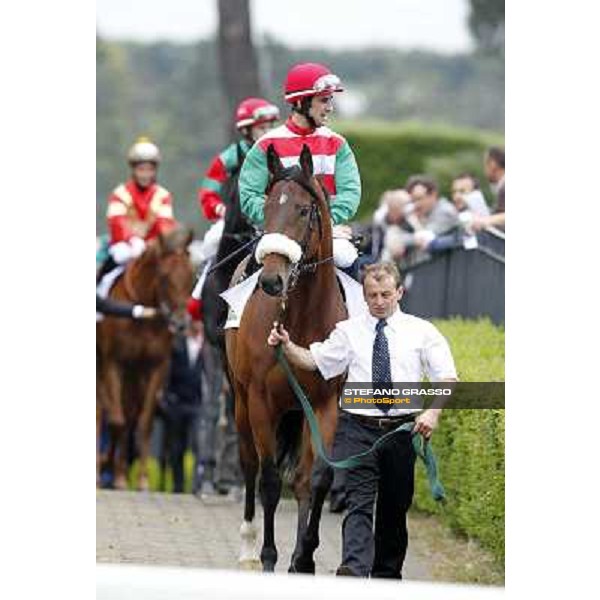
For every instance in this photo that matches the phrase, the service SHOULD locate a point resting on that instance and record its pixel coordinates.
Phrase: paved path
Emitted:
(180, 530)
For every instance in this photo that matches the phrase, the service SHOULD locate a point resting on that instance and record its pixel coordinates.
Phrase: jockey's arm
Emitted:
(253, 181)
(118, 226)
(165, 219)
(347, 184)
(209, 192)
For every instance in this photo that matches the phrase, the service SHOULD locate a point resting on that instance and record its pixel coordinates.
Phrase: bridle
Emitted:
(304, 265)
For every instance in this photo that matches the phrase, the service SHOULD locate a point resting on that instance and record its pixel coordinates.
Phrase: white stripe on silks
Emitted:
(278, 243)
(322, 163)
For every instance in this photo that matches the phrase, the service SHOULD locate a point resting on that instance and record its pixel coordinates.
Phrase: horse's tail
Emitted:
(289, 441)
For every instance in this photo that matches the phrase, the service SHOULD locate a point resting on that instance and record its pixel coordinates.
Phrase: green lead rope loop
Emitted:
(421, 446)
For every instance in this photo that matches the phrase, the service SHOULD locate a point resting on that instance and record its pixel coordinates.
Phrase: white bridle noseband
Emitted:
(278, 243)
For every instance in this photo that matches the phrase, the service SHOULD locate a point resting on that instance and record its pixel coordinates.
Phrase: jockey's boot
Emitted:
(107, 266)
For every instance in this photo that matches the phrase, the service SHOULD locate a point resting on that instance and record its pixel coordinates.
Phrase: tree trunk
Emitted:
(237, 57)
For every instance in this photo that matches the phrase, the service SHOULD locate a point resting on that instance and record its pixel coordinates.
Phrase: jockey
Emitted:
(309, 89)
(253, 118)
(139, 209)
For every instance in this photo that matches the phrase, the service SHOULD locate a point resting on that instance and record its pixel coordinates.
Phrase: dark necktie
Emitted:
(381, 367)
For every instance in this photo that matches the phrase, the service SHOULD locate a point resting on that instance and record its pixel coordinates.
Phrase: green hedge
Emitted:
(389, 153)
(469, 444)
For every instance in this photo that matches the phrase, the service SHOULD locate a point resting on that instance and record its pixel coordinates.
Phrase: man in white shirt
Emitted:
(382, 346)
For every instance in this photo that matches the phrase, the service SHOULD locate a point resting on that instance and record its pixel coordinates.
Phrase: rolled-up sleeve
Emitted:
(436, 357)
(332, 355)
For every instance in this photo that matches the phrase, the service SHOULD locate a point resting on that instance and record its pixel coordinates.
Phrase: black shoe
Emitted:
(345, 571)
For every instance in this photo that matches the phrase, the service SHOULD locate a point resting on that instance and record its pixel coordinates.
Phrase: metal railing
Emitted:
(458, 282)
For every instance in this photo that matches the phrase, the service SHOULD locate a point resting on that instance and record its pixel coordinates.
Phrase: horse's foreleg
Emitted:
(263, 430)
(270, 492)
(301, 486)
(111, 394)
(321, 480)
(144, 427)
(249, 462)
(98, 442)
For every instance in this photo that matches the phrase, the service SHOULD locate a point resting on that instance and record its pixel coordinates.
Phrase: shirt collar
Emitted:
(393, 321)
(297, 129)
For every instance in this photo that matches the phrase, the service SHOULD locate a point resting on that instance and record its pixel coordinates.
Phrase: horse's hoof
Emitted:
(269, 567)
(306, 567)
(250, 564)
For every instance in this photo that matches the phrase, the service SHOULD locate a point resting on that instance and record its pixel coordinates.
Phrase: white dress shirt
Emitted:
(417, 349)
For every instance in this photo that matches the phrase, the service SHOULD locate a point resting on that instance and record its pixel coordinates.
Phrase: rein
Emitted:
(225, 260)
(421, 446)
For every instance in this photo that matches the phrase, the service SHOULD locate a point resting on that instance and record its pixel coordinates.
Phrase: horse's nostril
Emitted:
(272, 286)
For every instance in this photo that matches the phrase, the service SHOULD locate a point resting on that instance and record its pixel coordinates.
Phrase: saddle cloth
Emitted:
(237, 297)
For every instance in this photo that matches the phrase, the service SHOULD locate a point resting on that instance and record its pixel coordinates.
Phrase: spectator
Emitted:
(436, 215)
(467, 196)
(180, 405)
(494, 172)
(393, 222)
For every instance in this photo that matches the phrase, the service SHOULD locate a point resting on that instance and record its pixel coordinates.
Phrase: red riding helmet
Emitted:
(310, 79)
(254, 111)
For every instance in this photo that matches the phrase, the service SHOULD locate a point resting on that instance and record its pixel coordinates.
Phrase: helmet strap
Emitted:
(246, 133)
(302, 107)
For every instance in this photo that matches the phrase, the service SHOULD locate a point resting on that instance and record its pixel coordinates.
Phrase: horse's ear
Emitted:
(273, 161)
(190, 237)
(306, 162)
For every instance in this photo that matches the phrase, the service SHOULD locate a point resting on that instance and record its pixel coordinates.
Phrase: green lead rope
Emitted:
(421, 446)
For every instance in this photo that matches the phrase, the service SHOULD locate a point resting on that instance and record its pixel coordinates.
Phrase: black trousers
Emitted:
(382, 484)
(180, 434)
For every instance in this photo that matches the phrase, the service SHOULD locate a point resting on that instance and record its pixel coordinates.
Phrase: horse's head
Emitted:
(175, 275)
(297, 222)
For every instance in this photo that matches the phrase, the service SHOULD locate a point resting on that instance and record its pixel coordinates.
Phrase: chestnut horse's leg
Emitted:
(144, 427)
(98, 441)
(321, 480)
(249, 462)
(116, 421)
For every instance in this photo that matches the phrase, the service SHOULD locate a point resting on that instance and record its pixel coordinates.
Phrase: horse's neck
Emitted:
(142, 279)
(317, 299)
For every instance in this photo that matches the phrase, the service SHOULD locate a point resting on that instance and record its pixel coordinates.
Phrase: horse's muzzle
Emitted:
(271, 285)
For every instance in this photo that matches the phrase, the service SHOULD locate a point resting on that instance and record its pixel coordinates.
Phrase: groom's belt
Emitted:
(383, 422)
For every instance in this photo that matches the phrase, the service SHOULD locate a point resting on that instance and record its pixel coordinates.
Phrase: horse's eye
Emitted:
(304, 211)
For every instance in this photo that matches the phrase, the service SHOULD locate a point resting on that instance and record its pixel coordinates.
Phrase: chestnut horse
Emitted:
(133, 356)
(298, 288)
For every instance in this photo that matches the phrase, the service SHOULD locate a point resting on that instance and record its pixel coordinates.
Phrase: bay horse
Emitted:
(298, 288)
(133, 356)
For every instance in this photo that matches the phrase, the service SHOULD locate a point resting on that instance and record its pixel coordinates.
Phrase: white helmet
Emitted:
(143, 151)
